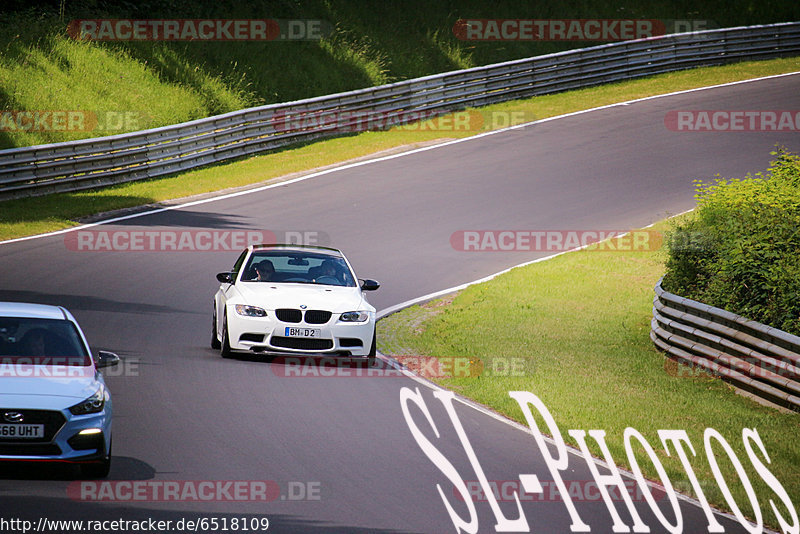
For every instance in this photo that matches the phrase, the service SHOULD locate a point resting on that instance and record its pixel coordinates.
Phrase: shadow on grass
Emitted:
(62, 207)
(59, 209)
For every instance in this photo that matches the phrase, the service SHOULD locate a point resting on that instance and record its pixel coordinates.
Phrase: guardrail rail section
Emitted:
(92, 163)
(754, 357)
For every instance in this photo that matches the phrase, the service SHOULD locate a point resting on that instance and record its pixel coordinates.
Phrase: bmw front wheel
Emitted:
(371, 357)
(225, 349)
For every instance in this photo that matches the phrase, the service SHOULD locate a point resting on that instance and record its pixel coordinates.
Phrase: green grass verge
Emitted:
(161, 83)
(581, 322)
(42, 214)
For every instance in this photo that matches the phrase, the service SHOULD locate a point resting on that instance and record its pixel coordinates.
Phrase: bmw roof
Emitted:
(300, 248)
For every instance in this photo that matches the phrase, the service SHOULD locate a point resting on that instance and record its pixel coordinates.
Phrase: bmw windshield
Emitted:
(298, 267)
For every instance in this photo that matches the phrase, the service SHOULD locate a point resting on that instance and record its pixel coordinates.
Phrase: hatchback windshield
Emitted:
(298, 267)
(41, 342)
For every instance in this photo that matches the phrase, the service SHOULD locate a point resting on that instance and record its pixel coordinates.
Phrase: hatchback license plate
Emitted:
(22, 431)
(293, 331)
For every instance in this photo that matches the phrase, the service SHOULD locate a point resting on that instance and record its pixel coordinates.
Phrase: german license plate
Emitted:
(22, 431)
(293, 331)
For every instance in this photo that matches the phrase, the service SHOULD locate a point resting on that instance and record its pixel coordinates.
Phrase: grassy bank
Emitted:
(42, 214)
(165, 82)
(581, 322)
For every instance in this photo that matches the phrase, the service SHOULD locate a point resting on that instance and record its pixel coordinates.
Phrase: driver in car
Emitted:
(328, 269)
(34, 342)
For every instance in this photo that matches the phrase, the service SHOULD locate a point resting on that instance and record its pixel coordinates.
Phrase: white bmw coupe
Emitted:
(293, 299)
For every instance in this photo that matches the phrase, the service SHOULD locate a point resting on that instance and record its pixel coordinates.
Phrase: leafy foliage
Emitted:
(740, 250)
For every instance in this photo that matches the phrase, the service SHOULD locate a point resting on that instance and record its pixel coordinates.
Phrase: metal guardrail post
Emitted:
(754, 357)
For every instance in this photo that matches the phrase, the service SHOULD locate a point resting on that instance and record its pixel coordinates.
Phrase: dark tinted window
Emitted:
(41, 342)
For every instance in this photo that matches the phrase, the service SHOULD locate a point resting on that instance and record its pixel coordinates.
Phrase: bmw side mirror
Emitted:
(369, 285)
(225, 278)
(106, 359)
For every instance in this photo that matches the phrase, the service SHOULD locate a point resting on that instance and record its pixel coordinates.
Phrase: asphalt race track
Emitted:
(338, 448)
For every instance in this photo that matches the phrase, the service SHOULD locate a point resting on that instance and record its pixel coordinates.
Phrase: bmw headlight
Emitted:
(354, 317)
(93, 404)
(250, 311)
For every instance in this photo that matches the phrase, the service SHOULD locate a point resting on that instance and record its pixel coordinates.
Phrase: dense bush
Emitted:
(740, 249)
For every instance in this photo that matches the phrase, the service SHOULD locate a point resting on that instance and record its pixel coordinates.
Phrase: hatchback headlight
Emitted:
(250, 311)
(93, 404)
(354, 317)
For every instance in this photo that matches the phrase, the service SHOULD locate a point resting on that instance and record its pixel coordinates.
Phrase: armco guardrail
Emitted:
(754, 357)
(89, 163)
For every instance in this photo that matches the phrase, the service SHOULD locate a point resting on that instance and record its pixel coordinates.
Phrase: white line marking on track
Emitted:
(397, 307)
(382, 158)
(502, 418)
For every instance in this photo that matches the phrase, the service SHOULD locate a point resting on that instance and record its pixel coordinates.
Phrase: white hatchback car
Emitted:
(54, 404)
(293, 299)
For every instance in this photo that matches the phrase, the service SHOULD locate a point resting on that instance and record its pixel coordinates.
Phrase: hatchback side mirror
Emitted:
(106, 359)
(225, 278)
(370, 285)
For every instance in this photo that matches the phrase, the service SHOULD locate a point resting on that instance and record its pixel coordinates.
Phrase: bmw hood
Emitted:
(271, 296)
(45, 386)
